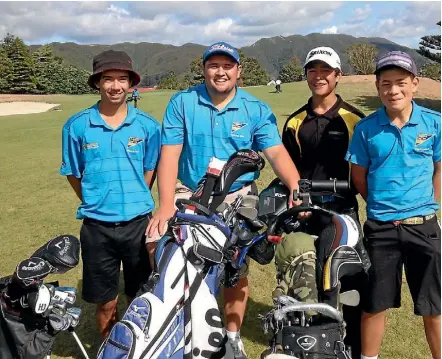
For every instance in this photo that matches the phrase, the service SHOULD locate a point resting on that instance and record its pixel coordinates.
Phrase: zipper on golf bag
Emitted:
(121, 342)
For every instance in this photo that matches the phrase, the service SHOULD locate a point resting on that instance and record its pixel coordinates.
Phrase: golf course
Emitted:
(38, 204)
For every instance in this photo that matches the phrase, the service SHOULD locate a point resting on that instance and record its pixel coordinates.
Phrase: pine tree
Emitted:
(428, 43)
(292, 72)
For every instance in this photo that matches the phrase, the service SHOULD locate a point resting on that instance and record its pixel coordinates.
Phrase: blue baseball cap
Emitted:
(396, 58)
(221, 48)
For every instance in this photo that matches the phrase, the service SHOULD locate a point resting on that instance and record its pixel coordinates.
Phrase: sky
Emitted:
(240, 23)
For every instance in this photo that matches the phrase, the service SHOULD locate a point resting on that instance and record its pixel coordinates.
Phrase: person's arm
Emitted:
(283, 166)
(359, 157)
(436, 181)
(172, 138)
(359, 177)
(72, 165)
(76, 185)
(152, 154)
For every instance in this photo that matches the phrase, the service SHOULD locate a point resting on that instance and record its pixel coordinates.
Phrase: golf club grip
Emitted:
(292, 212)
(330, 186)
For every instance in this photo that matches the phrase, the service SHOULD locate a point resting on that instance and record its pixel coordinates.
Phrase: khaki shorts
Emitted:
(183, 192)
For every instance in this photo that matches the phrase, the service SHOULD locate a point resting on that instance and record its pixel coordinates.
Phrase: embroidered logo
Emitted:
(133, 141)
(422, 137)
(88, 146)
(237, 126)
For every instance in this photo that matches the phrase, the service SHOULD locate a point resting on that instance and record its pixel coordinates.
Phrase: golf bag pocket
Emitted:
(324, 341)
(120, 344)
(23, 336)
(139, 313)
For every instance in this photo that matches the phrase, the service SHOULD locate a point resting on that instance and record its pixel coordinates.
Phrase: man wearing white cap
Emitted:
(321, 131)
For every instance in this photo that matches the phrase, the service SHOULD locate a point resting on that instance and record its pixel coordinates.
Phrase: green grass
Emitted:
(38, 204)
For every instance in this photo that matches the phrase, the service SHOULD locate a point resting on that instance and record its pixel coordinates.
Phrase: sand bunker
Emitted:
(24, 107)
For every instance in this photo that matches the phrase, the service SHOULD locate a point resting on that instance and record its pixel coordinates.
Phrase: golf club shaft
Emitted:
(80, 345)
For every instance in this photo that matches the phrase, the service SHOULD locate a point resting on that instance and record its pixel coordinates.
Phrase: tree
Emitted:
(428, 43)
(432, 71)
(292, 72)
(6, 75)
(22, 80)
(362, 57)
(196, 75)
(169, 82)
(252, 73)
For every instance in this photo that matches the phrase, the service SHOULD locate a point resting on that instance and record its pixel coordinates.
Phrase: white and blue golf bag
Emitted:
(178, 315)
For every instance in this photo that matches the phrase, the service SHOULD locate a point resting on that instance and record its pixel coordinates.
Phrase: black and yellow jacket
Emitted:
(318, 143)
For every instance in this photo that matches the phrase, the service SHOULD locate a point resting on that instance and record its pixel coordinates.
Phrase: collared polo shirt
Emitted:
(400, 163)
(111, 163)
(192, 120)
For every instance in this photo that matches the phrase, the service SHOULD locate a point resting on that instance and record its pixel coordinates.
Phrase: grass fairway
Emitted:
(38, 204)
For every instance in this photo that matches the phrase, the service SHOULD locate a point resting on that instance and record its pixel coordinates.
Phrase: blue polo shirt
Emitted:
(192, 120)
(400, 163)
(111, 163)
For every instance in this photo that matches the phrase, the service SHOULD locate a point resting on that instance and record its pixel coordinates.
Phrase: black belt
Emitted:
(117, 224)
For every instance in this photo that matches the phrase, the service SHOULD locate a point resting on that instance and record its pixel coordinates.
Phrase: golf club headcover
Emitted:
(62, 253)
(344, 260)
(28, 275)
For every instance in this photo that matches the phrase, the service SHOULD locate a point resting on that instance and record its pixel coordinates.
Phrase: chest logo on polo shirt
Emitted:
(133, 141)
(237, 126)
(89, 146)
(422, 137)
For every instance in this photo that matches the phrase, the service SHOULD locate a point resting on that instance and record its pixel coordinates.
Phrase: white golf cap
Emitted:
(324, 54)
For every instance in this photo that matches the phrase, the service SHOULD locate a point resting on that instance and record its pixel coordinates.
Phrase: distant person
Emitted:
(216, 119)
(278, 86)
(135, 96)
(317, 137)
(395, 154)
(109, 154)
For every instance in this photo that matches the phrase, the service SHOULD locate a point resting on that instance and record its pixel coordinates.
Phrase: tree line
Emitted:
(43, 72)
(40, 72)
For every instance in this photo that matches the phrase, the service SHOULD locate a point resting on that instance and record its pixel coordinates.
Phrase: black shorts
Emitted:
(104, 246)
(417, 248)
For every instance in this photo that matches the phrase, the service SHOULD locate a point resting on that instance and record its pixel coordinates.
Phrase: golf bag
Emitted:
(26, 304)
(177, 316)
(307, 321)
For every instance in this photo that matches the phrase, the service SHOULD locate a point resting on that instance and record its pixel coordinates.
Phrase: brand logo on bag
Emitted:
(32, 266)
(306, 342)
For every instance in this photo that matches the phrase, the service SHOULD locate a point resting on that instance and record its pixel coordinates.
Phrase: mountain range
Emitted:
(154, 60)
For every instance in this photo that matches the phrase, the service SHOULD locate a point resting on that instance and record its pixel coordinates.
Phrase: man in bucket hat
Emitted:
(109, 154)
(395, 154)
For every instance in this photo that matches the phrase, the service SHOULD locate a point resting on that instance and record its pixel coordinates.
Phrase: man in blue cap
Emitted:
(395, 154)
(216, 119)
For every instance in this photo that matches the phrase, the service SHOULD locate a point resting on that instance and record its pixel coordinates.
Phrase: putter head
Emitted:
(350, 298)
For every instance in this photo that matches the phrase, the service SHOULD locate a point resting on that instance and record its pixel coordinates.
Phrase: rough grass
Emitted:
(38, 204)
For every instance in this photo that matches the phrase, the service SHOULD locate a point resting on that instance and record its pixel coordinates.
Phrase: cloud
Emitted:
(330, 30)
(401, 24)
(240, 22)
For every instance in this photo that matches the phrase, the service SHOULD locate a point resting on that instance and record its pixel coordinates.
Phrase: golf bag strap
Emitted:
(207, 190)
(182, 202)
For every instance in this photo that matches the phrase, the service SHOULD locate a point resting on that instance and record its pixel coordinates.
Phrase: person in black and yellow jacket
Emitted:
(317, 137)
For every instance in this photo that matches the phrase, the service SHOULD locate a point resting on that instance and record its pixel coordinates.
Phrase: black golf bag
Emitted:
(25, 308)
(307, 319)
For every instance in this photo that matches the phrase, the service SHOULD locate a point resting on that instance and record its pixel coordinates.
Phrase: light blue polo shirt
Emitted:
(111, 163)
(193, 121)
(400, 163)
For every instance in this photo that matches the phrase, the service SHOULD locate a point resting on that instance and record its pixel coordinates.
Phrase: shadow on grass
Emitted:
(87, 331)
(252, 329)
(373, 102)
